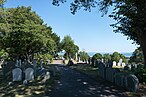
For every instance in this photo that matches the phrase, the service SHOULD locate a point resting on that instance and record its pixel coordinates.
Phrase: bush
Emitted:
(141, 75)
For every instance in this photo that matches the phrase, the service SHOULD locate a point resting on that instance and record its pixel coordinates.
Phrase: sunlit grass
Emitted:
(33, 88)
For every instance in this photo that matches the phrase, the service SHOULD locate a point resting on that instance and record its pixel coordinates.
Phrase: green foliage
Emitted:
(23, 33)
(45, 57)
(97, 56)
(117, 56)
(107, 57)
(70, 48)
(83, 56)
(3, 54)
(137, 57)
(141, 74)
(129, 14)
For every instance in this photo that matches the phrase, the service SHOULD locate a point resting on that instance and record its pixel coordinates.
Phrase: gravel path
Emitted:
(75, 84)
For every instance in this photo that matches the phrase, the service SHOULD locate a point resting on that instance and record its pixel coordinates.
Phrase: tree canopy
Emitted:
(83, 56)
(23, 33)
(137, 57)
(70, 48)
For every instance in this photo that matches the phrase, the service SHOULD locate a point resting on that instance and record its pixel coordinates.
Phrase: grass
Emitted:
(32, 89)
(93, 72)
(87, 69)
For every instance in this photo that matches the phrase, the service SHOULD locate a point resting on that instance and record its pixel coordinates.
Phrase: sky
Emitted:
(90, 31)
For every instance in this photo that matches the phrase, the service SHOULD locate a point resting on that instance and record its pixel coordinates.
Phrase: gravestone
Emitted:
(120, 79)
(19, 63)
(1, 63)
(132, 83)
(120, 62)
(7, 69)
(123, 64)
(110, 74)
(114, 63)
(102, 70)
(29, 74)
(17, 74)
(126, 68)
(34, 66)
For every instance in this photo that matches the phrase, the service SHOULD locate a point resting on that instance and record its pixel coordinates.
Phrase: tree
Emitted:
(70, 48)
(22, 33)
(137, 57)
(83, 56)
(106, 57)
(97, 56)
(129, 14)
(117, 56)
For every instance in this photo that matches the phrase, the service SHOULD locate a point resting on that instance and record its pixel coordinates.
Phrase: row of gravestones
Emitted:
(126, 80)
(7, 67)
(17, 74)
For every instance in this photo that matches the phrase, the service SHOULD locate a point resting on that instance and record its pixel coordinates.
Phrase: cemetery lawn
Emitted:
(92, 72)
(86, 69)
(33, 88)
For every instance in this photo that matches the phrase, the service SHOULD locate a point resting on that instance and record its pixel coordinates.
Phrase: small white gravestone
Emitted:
(1, 63)
(47, 76)
(123, 64)
(17, 74)
(120, 62)
(25, 82)
(114, 63)
(29, 74)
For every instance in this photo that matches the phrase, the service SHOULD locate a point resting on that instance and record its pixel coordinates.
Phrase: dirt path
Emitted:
(74, 84)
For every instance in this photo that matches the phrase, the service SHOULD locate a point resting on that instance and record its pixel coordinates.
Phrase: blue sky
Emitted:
(89, 30)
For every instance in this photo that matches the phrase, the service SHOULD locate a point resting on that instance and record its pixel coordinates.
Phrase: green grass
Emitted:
(87, 69)
(93, 72)
(34, 88)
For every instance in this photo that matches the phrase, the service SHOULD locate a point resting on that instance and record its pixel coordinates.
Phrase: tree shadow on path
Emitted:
(75, 84)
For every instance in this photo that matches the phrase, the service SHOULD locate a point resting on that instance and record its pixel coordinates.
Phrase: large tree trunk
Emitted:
(142, 40)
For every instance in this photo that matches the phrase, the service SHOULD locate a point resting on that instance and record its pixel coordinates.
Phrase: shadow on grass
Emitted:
(32, 89)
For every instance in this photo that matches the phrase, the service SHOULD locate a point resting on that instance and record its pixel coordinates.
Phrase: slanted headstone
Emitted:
(46, 77)
(17, 74)
(29, 74)
(132, 83)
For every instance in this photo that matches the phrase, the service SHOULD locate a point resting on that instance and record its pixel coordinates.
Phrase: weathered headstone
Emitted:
(110, 74)
(119, 79)
(102, 70)
(132, 83)
(7, 69)
(17, 74)
(29, 74)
